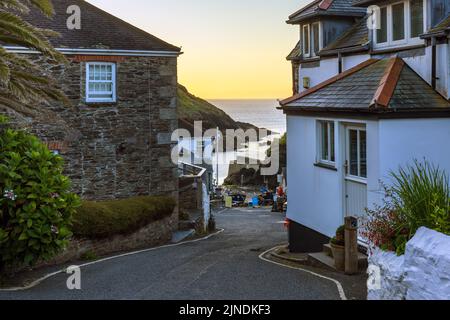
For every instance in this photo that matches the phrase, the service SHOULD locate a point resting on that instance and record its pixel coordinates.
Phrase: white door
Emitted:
(356, 171)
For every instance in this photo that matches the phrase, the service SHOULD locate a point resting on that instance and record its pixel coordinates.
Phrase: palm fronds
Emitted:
(23, 84)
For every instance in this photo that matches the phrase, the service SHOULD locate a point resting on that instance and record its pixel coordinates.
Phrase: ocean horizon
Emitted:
(259, 112)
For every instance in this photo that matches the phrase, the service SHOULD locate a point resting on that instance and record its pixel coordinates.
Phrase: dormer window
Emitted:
(316, 39)
(306, 41)
(417, 18)
(400, 24)
(398, 21)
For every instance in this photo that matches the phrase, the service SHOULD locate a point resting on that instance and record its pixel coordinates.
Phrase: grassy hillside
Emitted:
(192, 108)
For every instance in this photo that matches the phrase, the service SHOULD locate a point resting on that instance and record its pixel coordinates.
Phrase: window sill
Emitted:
(326, 166)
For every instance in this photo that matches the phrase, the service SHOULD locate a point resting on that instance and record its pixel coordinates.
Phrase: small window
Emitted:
(416, 13)
(382, 33)
(398, 22)
(316, 38)
(327, 142)
(306, 41)
(100, 82)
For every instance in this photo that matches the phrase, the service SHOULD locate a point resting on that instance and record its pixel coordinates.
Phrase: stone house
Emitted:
(374, 99)
(122, 85)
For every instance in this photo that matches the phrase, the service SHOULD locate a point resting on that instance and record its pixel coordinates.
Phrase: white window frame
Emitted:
(312, 45)
(348, 174)
(113, 81)
(306, 54)
(331, 155)
(390, 43)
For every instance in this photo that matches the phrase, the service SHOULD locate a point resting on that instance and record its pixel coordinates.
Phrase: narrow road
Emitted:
(226, 266)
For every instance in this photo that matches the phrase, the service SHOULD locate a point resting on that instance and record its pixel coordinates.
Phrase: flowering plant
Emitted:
(418, 197)
(36, 204)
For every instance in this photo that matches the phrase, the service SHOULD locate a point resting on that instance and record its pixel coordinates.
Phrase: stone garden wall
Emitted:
(423, 273)
(157, 233)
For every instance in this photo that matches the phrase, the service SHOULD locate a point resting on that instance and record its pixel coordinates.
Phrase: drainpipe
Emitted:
(433, 63)
(340, 62)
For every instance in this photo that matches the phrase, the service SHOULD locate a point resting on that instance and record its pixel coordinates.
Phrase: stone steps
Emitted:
(325, 259)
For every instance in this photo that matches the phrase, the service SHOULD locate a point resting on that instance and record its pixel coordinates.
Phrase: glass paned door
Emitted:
(356, 153)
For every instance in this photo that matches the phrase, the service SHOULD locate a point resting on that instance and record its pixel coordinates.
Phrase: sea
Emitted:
(261, 113)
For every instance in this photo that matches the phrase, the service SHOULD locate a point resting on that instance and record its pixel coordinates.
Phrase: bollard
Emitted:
(351, 246)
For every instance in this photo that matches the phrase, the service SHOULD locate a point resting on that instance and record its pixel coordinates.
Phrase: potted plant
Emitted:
(338, 248)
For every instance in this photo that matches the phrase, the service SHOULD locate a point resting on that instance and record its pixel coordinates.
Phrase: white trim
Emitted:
(407, 41)
(103, 52)
(319, 143)
(113, 81)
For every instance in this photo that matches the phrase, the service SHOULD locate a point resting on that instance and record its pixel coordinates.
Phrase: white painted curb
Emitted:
(338, 284)
(40, 280)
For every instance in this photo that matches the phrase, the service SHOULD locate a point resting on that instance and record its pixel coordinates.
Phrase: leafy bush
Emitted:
(99, 220)
(419, 197)
(36, 204)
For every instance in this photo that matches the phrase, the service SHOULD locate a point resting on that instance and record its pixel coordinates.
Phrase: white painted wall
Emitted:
(423, 273)
(349, 62)
(328, 68)
(317, 194)
(314, 193)
(402, 141)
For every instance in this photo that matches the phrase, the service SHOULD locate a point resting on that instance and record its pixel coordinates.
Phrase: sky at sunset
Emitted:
(232, 48)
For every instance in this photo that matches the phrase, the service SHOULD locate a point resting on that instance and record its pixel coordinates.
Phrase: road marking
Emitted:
(338, 284)
(40, 280)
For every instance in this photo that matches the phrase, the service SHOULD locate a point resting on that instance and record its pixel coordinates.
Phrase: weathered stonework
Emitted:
(115, 150)
(156, 233)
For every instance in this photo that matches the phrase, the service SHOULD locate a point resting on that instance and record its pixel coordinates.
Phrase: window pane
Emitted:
(363, 155)
(306, 39)
(353, 145)
(382, 32)
(325, 141)
(416, 18)
(333, 156)
(398, 20)
(316, 38)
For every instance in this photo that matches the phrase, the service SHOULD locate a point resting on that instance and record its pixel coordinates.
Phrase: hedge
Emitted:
(99, 220)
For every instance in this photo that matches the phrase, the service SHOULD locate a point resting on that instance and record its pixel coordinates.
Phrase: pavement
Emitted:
(226, 266)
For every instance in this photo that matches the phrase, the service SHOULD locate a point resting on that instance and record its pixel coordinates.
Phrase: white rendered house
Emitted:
(348, 132)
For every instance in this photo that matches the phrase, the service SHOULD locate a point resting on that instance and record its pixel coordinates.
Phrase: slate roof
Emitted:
(355, 39)
(99, 30)
(442, 28)
(377, 86)
(326, 8)
(296, 53)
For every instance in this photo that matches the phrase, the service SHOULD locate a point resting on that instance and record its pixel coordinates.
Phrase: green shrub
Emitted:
(36, 204)
(99, 220)
(419, 197)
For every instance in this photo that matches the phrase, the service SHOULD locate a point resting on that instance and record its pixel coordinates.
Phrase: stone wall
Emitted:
(423, 273)
(114, 150)
(157, 233)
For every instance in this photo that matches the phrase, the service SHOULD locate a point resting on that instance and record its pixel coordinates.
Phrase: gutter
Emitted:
(104, 52)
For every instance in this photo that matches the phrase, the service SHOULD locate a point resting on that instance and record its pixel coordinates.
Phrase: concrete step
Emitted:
(179, 236)
(327, 249)
(321, 260)
(325, 260)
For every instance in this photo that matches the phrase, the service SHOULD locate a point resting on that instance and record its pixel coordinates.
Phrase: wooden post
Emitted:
(351, 245)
